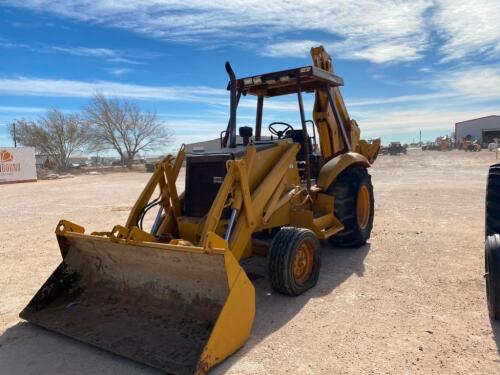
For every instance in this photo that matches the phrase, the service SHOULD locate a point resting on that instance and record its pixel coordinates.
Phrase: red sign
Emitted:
(5, 156)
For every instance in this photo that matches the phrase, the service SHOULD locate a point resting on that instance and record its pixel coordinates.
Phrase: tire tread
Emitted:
(492, 265)
(344, 189)
(492, 211)
(279, 260)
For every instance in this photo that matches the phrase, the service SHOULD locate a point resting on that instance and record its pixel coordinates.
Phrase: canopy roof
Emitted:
(285, 82)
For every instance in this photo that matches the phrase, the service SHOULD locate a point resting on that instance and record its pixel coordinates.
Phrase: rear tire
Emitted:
(492, 224)
(346, 191)
(294, 261)
(492, 267)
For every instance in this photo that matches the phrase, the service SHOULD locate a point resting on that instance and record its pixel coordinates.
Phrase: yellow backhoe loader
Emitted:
(174, 296)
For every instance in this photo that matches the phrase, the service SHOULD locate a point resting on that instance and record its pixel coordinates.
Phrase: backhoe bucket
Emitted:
(181, 309)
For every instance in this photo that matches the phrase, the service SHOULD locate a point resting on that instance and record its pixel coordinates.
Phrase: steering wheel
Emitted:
(279, 133)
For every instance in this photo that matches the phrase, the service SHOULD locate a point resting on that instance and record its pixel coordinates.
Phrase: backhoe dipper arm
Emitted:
(330, 113)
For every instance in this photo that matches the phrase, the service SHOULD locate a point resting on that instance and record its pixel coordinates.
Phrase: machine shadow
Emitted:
(495, 328)
(274, 310)
(26, 349)
(29, 349)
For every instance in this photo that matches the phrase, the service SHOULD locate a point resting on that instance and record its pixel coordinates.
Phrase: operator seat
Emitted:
(297, 135)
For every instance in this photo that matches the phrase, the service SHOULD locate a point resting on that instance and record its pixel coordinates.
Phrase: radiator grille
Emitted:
(204, 176)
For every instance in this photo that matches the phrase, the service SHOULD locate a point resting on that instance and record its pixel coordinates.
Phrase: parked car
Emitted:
(395, 148)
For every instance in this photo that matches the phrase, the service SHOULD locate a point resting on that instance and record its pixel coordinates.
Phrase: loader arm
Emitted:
(239, 240)
(164, 177)
(248, 206)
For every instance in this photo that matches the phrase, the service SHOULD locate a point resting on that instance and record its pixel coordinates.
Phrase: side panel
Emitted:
(335, 166)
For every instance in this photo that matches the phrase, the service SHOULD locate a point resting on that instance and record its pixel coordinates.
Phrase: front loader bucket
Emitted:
(181, 309)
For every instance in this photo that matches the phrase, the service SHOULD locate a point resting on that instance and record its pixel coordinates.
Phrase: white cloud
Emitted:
(453, 96)
(84, 51)
(81, 89)
(401, 99)
(478, 82)
(15, 109)
(125, 61)
(362, 29)
(425, 118)
(24, 86)
(466, 85)
(378, 52)
(378, 31)
(386, 52)
(119, 71)
(472, 83)
(469, 28)
(110, 55)
(291, 48)
(456, 95)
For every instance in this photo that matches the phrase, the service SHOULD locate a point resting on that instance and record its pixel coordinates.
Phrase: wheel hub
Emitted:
(303, 263)
(363, 207)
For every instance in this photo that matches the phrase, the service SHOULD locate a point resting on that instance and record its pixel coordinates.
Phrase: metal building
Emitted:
(484, 129)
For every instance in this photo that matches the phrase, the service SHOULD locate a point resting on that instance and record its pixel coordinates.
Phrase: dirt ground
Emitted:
(411, 301)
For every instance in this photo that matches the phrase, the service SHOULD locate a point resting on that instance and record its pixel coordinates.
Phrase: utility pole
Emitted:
(14, 133)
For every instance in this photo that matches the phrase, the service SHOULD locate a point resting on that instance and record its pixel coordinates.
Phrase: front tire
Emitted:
(353, 206)
(492, 267)
(294, 261)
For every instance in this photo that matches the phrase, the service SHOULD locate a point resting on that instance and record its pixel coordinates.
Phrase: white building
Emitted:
(484, 129)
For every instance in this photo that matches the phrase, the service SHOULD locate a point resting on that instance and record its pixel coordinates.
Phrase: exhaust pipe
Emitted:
(233, 103)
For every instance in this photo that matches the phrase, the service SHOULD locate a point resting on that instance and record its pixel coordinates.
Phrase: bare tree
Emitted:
(55, 134)
(122, 126)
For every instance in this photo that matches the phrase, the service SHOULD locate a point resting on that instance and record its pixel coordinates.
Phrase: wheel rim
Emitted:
(303, 262)
(363, 207)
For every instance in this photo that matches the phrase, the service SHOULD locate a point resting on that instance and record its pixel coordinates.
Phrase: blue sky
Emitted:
(407, 66)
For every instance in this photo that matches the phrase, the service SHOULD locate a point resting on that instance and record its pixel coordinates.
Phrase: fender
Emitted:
(333, 167)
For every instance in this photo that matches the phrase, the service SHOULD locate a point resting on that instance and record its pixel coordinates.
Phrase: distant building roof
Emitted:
(479, 118)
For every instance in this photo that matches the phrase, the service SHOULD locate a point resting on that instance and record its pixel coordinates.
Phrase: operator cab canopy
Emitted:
(285, 82)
